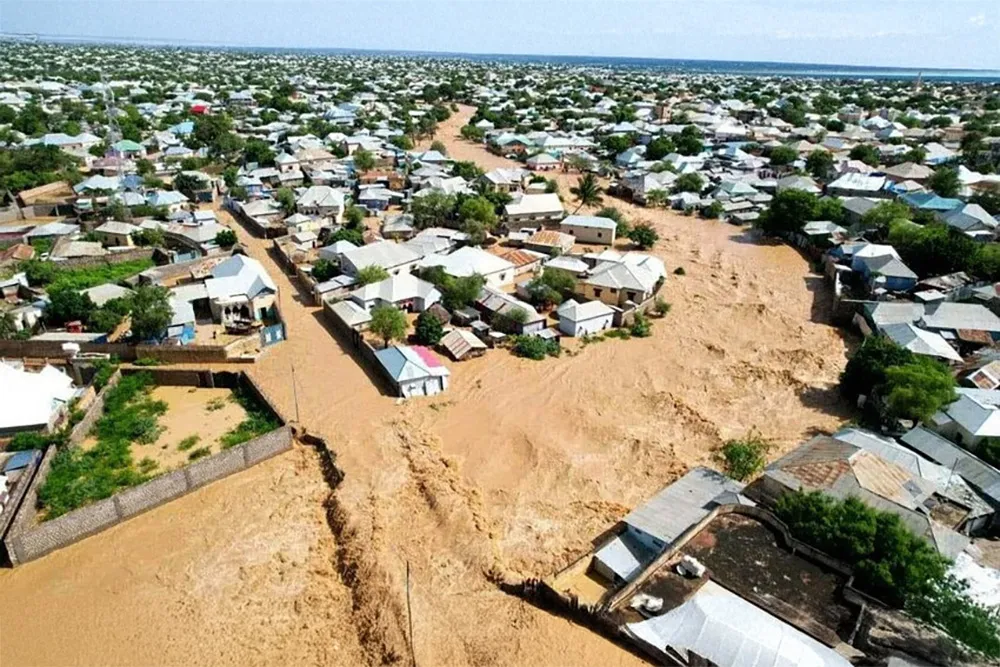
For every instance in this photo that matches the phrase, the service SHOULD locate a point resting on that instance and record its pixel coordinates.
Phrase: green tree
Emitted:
(151, 311)
(745, 457)
(659, 148)
(259, 151)
(187, 184)
(918, 389)
(866, 371)
(472, 133)
(468, 170)
(439, 146)
(641, 326)
(587, 192)
(151, 237)
(457, 293)
(782, 156)
(354, 217)
(432, 210)
(478, 209)
(643, 235)
(945, 182)
(225, 238)
(428, 329)
(388, 323)
(68, 305)
(819, 163)
(323, 270)
(789, 211)
(533, 347)
(286, 200)
(691, 182)
(866, 153)
(371, 274)
(364, 161)
(690, 141)
(881, 216)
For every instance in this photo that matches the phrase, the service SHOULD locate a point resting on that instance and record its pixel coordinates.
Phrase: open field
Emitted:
(506, 476)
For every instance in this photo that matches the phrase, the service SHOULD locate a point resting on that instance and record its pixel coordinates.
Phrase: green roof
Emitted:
(127, 146)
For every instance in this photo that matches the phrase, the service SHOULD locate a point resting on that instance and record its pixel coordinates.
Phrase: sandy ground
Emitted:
(512, 472)
(188, 413)
(193, 583)
(207, 413)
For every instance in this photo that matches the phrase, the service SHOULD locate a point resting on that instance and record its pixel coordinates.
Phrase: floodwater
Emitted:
(506, 476)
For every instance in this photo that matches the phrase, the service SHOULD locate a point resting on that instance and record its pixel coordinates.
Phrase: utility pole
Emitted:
(295, 395)
(409, 614)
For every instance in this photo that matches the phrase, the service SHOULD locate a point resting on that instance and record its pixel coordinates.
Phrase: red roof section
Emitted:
(429, 357)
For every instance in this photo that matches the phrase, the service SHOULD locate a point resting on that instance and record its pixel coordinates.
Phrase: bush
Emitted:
(188, 442)
(533, 347)
(746, 457)
(35, 440)
(199, 453)
(259, 420)
(889, 561)
(371, 274)
(323, 270)
(226, 238)
(661, 307)
(79, 477)
(643, 236)
(679, 271)
(428, 329)
(641, 326)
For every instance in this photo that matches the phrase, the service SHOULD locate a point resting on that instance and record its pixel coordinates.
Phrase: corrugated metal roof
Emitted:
(687, 501)
(978, 473)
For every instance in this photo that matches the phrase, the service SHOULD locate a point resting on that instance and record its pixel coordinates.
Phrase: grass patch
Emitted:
(54, 277)
(79, 477)
(215, 404)
(199, 453)
(623, 334)
(188, 442)
(259, 420)
(148, 361)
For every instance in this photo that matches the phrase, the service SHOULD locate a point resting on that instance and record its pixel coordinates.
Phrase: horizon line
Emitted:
(149, 42)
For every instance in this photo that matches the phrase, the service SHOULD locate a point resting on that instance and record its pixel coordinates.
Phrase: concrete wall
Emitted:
(116, 258)
(28, 540)
(27, 545)
(188, 354)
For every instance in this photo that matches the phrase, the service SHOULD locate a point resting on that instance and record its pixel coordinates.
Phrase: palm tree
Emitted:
(587, 192)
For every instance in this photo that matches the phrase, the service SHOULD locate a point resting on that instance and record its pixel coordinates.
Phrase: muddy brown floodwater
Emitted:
(507, 476)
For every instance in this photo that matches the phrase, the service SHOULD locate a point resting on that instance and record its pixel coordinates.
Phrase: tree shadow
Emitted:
(751, 236)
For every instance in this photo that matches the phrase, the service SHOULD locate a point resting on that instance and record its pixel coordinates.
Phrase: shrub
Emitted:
(533, 347)
(641, 326)
(643, 236)
(746, 457)
(35, 440)
(428, 329)
(323, 270)
(259, 420)
(226, 238)
(661, 306)
(679, 271)
(188, 442)
(199, 453)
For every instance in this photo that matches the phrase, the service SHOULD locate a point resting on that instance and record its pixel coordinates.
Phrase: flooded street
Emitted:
(506, 476)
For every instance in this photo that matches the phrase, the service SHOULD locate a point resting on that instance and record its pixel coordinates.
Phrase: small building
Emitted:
(468, 261)
(404, 291)
(33, 401)
(581, 319)
(550, 242)
(413, 370)
(114, 233)
(590, 229)
(460, 344)
(544, 207)
(240, 289)
(395, 258)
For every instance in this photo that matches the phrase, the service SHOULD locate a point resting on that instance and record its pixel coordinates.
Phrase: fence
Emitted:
(173, 354)
(27, 540)
(114, 258)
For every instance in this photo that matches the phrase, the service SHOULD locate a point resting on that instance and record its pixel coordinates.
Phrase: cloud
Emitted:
(979, 20)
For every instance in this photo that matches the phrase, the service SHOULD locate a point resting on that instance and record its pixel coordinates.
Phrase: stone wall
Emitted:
(28, 540)
(35, 542)
(174, 354)
(114, 258)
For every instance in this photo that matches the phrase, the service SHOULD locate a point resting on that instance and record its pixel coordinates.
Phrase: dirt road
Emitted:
(508, 475)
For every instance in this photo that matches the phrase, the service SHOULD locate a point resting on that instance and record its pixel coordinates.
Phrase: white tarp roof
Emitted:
(730, 631)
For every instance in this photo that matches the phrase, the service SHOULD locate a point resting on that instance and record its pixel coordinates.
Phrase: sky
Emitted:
(897, 33)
